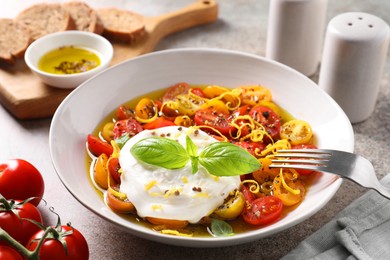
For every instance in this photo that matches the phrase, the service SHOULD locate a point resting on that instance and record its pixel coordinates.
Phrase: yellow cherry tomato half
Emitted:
(296, 132)
(107, 132)
(186, 105)
(253, 95)
(217, 106)
(185, 121)
(232, 208)
(145, 108)
(100, 173)
(214, 91)
(287, 197)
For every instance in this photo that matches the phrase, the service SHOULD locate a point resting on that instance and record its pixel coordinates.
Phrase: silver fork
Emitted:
(347, 165)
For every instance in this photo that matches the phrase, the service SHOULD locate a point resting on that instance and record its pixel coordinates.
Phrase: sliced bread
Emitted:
(84, 17)
(42, 19)
(121, 25)
(14, 40)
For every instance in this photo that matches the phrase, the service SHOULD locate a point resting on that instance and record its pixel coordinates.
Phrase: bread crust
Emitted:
(42, 19)
(84, 17)
(121, 25)
(14, 40)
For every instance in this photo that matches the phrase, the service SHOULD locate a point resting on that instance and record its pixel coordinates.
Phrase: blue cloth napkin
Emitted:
(360, 231)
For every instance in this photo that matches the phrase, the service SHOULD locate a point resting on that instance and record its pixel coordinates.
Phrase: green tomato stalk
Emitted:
(49, 232)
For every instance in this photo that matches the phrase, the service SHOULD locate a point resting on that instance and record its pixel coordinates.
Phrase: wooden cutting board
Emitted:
(26, 97)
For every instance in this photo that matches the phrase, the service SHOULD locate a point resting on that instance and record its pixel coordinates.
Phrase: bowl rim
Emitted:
(98, 38)
(198, 241)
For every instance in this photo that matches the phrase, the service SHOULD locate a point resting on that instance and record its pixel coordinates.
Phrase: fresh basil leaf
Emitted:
(227, 159)
(160, 151)
(191, 148)
(194, 164)
(122, 140)
(192, 151)
(220, 228)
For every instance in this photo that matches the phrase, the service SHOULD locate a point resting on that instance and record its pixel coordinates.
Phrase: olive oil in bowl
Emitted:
(69, 60)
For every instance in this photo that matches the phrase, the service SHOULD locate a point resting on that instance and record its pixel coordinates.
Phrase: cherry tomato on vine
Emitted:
(127, 126)
(98, 147)
(77, 247)
(20, 180)
(8, 253)
(18, 228)
(267, 118)
(218, 121)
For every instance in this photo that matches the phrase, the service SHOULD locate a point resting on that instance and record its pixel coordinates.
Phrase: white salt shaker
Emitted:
(295, 33)
(354, 54)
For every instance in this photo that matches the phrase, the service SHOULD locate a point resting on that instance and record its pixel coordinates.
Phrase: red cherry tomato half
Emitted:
(241, 111)
(199, 92)
(158, 123)
(304, 146)
(263, 210)
(128, 126)
(267, 118)
(251, 147)
(113, 168)
(53, 249)
(97, 146)
(8, 253)
(20, 180)
(124, 113)
(18, 228)
(177, 89)
(248, 195)
(218, 121)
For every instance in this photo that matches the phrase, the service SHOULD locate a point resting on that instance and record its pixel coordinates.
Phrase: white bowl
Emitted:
(88, 40)
(135, 77)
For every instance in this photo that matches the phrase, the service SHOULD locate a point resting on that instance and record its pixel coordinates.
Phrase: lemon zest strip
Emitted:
(293, 191)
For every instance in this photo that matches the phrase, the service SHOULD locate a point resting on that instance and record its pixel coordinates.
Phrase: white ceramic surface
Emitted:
(56, 40)
(295, 33)
(352, 80)
(85, 107)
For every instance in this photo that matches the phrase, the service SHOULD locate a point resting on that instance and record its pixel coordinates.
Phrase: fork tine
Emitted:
(299, 166)
(310, 159)
(302, 161)
(304, 153)
(321, 151)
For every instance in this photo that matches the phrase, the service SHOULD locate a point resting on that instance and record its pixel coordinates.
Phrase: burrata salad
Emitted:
(194, 160)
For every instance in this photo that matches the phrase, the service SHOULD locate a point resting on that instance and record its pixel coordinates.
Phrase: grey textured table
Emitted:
(242, 26)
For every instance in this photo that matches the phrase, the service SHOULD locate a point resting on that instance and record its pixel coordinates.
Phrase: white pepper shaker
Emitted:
(354, 54)
(295, 33)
